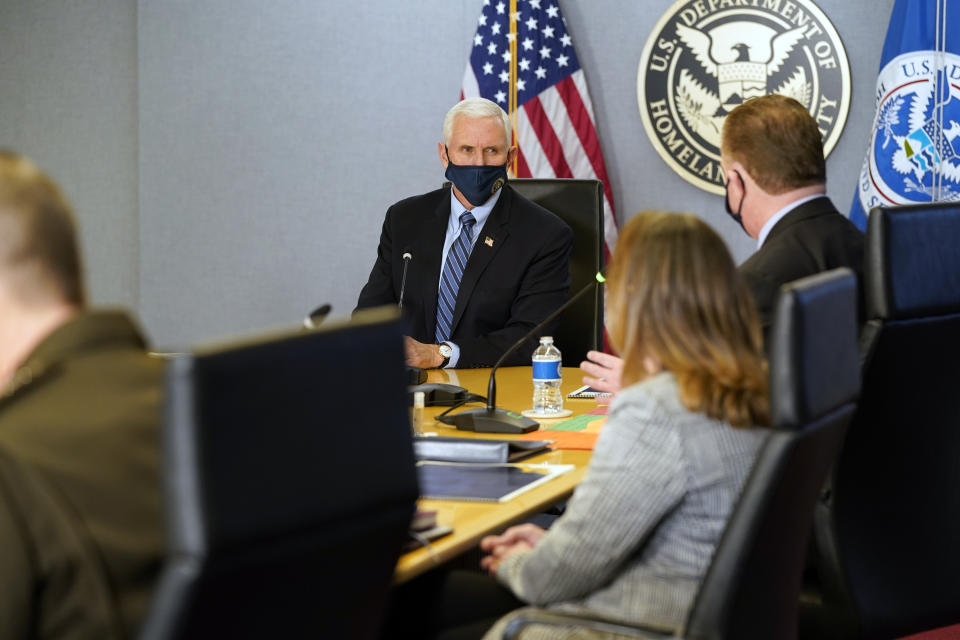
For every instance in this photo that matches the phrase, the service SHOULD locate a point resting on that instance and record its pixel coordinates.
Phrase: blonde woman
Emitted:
(678, 444)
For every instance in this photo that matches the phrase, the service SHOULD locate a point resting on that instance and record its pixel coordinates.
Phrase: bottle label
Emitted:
(549, 370)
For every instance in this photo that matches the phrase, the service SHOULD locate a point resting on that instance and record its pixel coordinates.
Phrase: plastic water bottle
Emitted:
(546, 378)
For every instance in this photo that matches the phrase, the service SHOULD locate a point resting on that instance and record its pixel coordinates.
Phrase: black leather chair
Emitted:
(290, 485)
(889, 533)
(752, 586)
(579, 203)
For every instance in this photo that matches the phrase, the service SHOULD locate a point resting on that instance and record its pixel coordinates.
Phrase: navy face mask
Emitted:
(476, 182)
(726, 202)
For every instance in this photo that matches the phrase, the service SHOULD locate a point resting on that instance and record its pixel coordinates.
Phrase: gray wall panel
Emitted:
(272, 143)
(68, 89)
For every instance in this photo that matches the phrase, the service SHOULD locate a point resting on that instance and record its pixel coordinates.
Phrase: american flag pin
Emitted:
(488, 241)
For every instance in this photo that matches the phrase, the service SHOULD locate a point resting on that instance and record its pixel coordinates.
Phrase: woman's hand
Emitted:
(603, 371)
(514, 540)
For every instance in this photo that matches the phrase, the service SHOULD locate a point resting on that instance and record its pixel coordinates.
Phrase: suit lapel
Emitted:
(487, 245)
(434, 234)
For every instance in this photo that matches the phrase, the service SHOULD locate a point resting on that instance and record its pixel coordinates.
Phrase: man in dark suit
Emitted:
(776, 177)
(81, 531)
(772, 155)
(485, 264)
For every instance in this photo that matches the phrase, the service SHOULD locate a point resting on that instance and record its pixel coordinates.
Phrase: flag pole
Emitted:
(512, 106)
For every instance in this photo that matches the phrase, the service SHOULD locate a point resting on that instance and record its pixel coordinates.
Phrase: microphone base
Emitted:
(486, 420)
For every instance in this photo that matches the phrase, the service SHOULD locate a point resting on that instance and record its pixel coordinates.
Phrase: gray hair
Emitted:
(475, 108)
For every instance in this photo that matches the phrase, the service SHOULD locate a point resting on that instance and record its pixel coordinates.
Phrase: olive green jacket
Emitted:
(81, 532)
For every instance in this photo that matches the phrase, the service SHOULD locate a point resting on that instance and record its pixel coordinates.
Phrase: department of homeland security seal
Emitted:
(914, 154)
(704, 57)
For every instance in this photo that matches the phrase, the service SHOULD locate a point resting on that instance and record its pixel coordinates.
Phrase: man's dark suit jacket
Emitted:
(812, 238)
(517, 274)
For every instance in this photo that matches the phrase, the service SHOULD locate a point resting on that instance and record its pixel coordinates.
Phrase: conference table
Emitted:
(473, 520)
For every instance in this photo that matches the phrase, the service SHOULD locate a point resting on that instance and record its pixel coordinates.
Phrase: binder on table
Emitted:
(449, 449)
(483, 482)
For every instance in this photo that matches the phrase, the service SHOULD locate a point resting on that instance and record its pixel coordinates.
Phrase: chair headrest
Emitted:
(913, 261)
(814, 359)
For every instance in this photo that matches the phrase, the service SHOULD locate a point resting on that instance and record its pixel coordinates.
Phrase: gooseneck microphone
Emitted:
(415, 375)
(489, 419)
(407, 257)
(315, 317)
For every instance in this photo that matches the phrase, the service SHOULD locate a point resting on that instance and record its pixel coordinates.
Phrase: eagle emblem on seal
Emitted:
(743, 71)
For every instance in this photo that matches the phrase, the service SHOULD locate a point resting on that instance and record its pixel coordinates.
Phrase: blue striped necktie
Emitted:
(452, 273)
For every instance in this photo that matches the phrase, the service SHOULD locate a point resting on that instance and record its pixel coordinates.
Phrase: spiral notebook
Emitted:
(483, 482)
(587, 392)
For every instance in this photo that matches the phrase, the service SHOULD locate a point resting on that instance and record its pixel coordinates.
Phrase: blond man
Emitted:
(80, 519)
(772, 156)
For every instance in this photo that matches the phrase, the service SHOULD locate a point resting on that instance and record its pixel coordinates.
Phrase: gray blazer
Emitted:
(640, 530)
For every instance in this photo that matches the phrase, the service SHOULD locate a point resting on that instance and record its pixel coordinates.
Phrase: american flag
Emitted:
(522, 58)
